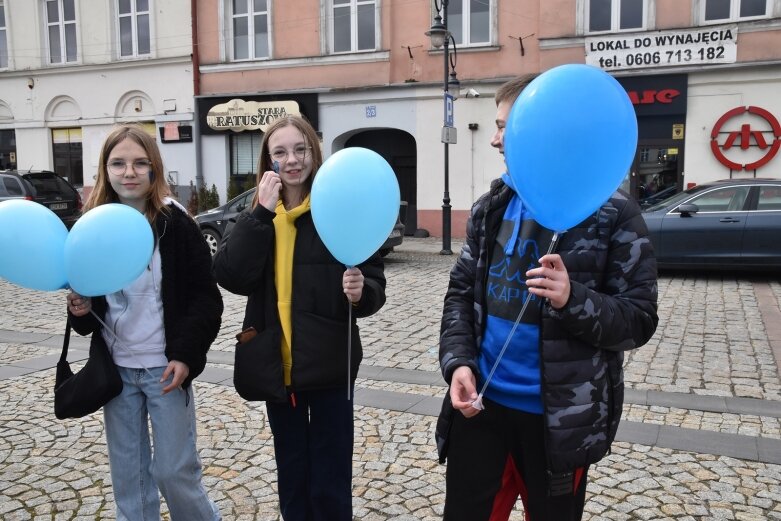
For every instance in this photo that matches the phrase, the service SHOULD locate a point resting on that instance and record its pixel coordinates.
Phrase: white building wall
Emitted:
(99, 90)
(420, 112)
(711, 94)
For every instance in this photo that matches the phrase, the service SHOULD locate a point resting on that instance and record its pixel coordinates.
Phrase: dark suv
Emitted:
(43, 187)
(215, 222)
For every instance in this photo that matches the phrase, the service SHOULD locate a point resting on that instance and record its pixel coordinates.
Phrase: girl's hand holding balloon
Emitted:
(352, 282)
(78, 305)
(269, 190)
(550, 280)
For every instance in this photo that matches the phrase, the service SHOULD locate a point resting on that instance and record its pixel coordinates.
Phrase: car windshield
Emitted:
(48, 185)
(675, 199)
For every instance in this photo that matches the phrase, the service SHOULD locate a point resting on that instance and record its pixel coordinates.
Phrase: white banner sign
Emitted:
(703, 45)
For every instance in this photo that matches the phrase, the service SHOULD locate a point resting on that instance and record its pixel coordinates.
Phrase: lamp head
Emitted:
(453, 85)
(437, 33)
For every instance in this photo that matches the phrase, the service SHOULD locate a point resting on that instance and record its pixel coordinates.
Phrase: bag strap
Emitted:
(66, 341)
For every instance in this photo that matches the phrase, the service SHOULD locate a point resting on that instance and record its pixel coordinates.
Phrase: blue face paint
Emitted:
(275, 166)
(151, 176)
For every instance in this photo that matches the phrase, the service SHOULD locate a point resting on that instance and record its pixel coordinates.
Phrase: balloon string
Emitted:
(120, 344)
(349, 344)
(479, 399)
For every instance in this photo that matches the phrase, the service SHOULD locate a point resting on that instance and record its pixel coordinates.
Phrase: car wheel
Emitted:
(212, 238)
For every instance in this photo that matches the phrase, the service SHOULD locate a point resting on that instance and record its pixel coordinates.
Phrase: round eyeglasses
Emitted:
(118, 167)
(300, 151)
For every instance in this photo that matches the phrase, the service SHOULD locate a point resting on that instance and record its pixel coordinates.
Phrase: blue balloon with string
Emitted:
(107, 249)
(33, 240)
(569, 142)
(355, 203)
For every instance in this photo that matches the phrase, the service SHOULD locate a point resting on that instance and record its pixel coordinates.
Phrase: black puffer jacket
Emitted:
(319, 310)
(611, 309)
(192, 303)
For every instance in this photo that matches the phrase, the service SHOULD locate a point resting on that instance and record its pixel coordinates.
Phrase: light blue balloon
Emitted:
(569, 142)
(107, 249)
(355, 203)
(33, 244)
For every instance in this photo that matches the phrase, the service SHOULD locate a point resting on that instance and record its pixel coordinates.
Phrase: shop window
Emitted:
(353, 25)
(469, 21)
(133, 23)
(244, 152)
(66, 146)
(249, 28)
(616, 15)
(719, 11)
(3, 38)
(61, 30)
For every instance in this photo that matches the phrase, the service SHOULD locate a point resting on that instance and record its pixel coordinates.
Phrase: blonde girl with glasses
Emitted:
(162, 325)
(296, 323)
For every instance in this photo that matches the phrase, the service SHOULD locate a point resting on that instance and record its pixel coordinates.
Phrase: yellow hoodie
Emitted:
(285, 232)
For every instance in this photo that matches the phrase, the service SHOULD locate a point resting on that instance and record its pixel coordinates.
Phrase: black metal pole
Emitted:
(446, 197)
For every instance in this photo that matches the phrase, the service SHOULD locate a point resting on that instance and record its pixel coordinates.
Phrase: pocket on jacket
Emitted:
(257, 374)
(320, 352)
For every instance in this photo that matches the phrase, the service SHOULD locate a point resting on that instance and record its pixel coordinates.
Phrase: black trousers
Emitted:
(313, 447)
(499, 455)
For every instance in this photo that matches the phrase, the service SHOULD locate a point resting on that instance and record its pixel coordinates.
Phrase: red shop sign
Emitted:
(737, 142)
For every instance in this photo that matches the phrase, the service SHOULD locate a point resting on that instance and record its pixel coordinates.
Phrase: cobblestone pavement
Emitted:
(700, 439)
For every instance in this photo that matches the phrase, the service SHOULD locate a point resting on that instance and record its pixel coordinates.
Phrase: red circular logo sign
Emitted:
(740, 140)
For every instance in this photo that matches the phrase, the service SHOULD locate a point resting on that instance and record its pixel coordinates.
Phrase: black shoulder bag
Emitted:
(80, 394)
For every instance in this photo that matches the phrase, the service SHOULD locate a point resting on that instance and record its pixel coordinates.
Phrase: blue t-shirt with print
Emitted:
(519, 245)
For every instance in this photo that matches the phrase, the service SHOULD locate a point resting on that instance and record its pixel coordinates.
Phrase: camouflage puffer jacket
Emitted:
(611, 309)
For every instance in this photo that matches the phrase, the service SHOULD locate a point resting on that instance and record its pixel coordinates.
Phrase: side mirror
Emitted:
(687, 209)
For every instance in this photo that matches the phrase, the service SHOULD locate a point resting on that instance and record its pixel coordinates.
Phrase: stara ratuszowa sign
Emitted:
(239, 115)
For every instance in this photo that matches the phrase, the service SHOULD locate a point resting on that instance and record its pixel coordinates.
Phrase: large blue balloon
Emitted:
(33, 242)
(107, 249)
(355, 203)
(569, 141)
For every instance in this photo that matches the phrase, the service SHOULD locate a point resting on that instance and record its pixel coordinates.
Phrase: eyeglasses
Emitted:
(119, 167)
(301, 152)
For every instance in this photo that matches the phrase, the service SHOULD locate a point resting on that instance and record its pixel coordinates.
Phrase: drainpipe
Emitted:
(196, 92)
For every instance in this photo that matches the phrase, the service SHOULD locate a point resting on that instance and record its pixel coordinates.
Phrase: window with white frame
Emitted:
(353, 25)
(133, 20)
(615, 15)
(718, 11)
(61, 30)
(469, 21)
(249, 27)
(3, 38)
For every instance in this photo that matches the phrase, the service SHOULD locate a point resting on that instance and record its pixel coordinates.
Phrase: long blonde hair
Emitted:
(103, 192)
(310, 137)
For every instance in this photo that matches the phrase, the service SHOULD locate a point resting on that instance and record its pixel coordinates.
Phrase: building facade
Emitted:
(71, 69)
(208, 76)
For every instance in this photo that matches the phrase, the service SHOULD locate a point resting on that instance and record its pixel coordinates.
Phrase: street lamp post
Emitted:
(441, 37)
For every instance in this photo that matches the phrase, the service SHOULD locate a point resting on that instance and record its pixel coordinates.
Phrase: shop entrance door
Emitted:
(656, 172)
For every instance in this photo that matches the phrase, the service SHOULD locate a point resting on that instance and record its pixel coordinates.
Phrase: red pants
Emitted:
(499, 455)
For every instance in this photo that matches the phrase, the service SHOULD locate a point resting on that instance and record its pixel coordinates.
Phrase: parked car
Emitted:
(12, 186)
(732, 223)
(216, 222)
(43, 187)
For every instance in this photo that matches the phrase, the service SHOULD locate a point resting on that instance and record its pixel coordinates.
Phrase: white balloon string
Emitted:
(120, 344)
(477, 404)
(349, 344)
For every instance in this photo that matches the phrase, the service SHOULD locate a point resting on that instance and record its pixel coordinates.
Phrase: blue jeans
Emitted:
(174, 468)
(313, 447)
